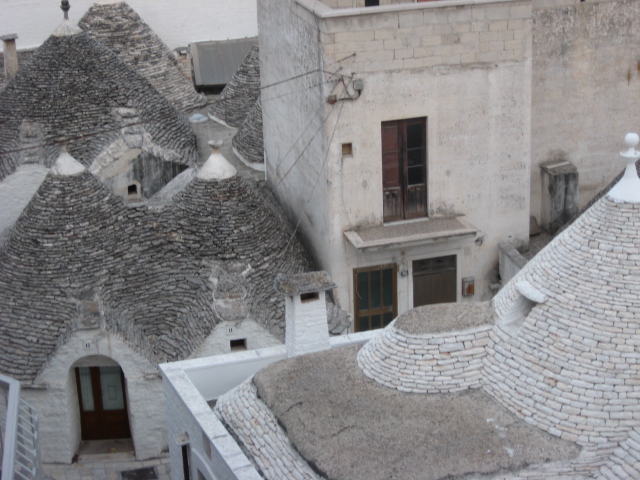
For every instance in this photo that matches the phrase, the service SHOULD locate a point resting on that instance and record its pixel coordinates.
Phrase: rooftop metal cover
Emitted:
(214, 63)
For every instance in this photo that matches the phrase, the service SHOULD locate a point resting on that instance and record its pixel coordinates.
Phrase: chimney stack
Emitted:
(10, 56)
(307, 330)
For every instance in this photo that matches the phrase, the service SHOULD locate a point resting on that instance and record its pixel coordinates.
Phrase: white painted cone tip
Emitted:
(66, 165)
(627, 189)
(216, 168)
(66, 29)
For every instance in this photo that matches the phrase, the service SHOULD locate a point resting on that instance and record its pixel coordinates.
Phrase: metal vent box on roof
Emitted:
(214, 63)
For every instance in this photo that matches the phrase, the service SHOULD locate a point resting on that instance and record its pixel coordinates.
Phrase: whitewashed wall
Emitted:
(56, 399)
(177, 23)
(189, 384)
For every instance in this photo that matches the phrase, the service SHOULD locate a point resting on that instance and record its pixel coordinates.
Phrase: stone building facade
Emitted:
(455, 81)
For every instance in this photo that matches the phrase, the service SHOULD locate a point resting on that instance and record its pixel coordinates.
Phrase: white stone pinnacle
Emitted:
(66, 29)
(216, 167)
(628, 188)
(66, 165)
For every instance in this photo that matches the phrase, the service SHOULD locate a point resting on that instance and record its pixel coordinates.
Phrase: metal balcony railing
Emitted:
(18, 435)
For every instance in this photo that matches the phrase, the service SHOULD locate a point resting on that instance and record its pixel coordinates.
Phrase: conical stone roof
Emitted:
(226, 220)
(57, 248)
(78, 257)
(241, 93)
(568, 326)
(71, 91)
(121, 29)
(248, 143)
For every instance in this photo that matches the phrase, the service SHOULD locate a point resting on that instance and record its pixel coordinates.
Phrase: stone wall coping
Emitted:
(447, 333)
(512, 252)
(321, 10)
(300, 283)
(194, 364)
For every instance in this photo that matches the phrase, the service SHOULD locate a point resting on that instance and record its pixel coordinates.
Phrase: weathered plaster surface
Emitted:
(586, 88)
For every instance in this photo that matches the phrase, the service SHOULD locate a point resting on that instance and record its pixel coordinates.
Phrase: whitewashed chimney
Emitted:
(305, 311)
(10, 56)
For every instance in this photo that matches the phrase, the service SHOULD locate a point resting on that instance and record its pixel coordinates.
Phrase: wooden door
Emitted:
(103, 403)
(376, 303)
(434, 280)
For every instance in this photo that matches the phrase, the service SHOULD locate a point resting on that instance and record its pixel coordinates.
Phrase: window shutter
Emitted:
(391, 172)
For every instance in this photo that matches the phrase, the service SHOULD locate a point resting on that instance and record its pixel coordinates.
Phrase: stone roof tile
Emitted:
(241, 93)
(248, 142)
(149, 269)
(121, 29)
(70, 91)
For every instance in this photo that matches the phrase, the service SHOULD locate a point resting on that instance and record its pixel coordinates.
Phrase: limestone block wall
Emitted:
(429, 35)
(260, 433)
(426, 363)
(625, 461)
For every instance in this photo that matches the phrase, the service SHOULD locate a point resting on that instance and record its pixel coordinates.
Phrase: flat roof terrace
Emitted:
(347, 426)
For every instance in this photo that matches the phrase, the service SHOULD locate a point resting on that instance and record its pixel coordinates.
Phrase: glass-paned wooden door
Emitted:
(103, 406)
(375, 296)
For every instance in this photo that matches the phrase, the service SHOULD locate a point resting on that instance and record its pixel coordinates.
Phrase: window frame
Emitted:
(401, 199)
(381, 310)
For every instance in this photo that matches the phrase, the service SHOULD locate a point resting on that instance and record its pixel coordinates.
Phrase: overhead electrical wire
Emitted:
(59, 140)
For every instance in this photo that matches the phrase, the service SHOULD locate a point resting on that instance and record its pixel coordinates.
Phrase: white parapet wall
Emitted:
(192, 426)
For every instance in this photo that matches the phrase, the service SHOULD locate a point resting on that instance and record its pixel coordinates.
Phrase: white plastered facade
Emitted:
(477, 106)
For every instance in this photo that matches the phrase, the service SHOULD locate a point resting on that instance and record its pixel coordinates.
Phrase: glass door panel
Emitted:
(111, 385)
(375, 296)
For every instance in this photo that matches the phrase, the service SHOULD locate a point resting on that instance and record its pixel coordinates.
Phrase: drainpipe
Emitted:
(10, 56)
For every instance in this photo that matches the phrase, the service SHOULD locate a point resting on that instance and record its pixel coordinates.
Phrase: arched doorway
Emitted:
(102, 400)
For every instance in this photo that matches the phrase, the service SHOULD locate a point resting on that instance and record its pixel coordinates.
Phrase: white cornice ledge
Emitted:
(322, 11)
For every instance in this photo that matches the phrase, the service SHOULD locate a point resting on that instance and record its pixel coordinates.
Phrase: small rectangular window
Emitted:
(347, 149)
(308, 297)
(371, 3)
(239, 344)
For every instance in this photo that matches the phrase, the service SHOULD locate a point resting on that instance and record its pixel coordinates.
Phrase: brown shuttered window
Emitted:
(404, 169)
